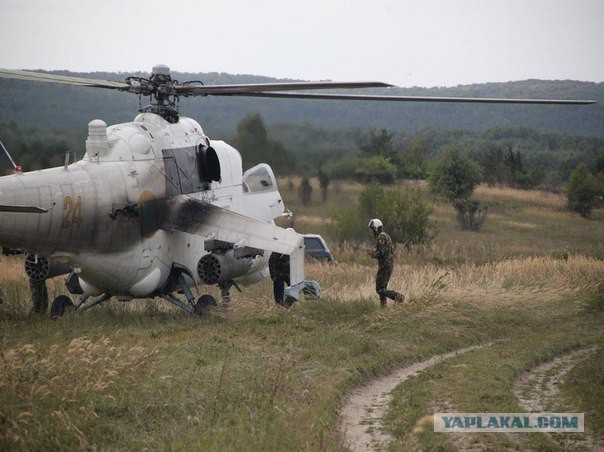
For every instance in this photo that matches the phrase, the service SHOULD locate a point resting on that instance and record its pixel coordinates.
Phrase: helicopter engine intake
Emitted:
(221, 267)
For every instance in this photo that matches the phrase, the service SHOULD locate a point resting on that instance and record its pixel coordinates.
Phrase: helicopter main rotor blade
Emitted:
(383, 98)
(270, 90)
(62, 79)
(243, 89)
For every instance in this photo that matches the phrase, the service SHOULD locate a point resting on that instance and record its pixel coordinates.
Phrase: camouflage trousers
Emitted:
(381, 285)
(279, 284)
(39, 294)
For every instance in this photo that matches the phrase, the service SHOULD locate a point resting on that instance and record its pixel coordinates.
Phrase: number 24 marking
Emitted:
(72, 213)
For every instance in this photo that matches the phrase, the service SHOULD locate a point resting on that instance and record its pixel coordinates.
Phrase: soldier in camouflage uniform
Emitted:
(278, 266)
(39, 293)
(384, 253)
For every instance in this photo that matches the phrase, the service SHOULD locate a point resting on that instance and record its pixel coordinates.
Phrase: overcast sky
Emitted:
(404, 42)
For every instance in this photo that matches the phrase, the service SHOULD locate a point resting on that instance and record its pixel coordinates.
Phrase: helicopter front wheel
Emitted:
(60, 305)
(204, 304)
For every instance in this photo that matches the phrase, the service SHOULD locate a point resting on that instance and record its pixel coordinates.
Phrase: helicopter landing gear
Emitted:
(178, 283)
(84, 298)
(204, 304)
(60, 305)
(63, 303)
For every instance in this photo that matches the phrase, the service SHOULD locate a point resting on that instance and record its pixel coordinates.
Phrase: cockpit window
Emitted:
(260, 178)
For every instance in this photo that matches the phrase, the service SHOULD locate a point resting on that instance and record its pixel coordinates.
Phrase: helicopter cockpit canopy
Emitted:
(260, 178)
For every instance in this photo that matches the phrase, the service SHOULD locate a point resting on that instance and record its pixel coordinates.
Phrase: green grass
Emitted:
(482, 380)
(584, 388)
(252, 376)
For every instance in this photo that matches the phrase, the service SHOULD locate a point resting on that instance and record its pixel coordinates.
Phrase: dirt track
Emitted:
(360, 422)
(537, 390)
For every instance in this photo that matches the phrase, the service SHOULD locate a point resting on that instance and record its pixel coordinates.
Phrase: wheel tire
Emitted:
(204, 304)
(59, 305)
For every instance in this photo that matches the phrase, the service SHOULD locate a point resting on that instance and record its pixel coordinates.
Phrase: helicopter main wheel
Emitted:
(60, 305)
(204, 304)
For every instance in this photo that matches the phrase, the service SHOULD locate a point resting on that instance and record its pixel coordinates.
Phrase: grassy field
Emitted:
(252, 376)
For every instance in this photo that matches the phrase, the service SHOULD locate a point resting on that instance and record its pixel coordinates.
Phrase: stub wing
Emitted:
(190, 215)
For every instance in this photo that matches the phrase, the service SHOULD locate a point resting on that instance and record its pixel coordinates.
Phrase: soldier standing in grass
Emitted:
(384, 253)
(278, 266)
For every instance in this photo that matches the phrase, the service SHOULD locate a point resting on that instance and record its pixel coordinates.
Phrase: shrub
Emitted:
(584, 191)
(470, 215)
(454, 175)
(405, 215)
(375, 169)
(305, 191)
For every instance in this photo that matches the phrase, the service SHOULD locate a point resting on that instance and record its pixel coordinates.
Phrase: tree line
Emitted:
(514, 156)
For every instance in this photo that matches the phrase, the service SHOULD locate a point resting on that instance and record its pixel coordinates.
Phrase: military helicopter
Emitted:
(155, 207)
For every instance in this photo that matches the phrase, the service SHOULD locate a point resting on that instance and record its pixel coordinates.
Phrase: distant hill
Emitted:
(66, 107)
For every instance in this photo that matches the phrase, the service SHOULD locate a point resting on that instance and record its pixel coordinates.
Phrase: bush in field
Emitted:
(470, 214)
(454, 177)
(584, 190)
(375, 169)
(305, 191)
(405, 215)
(323, 183)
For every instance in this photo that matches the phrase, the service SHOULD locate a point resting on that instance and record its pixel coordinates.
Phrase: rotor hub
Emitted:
(160, 87)
(161, 70)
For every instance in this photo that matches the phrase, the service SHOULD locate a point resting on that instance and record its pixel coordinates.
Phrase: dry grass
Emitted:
(252, 364)
(38, 381)
(533, 197)
(11, 269)
(510, 278)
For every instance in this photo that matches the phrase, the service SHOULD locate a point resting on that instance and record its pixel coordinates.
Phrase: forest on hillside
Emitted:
(511, 155)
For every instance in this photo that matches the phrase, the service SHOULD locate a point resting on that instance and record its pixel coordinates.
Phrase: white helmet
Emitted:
(375, 224)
